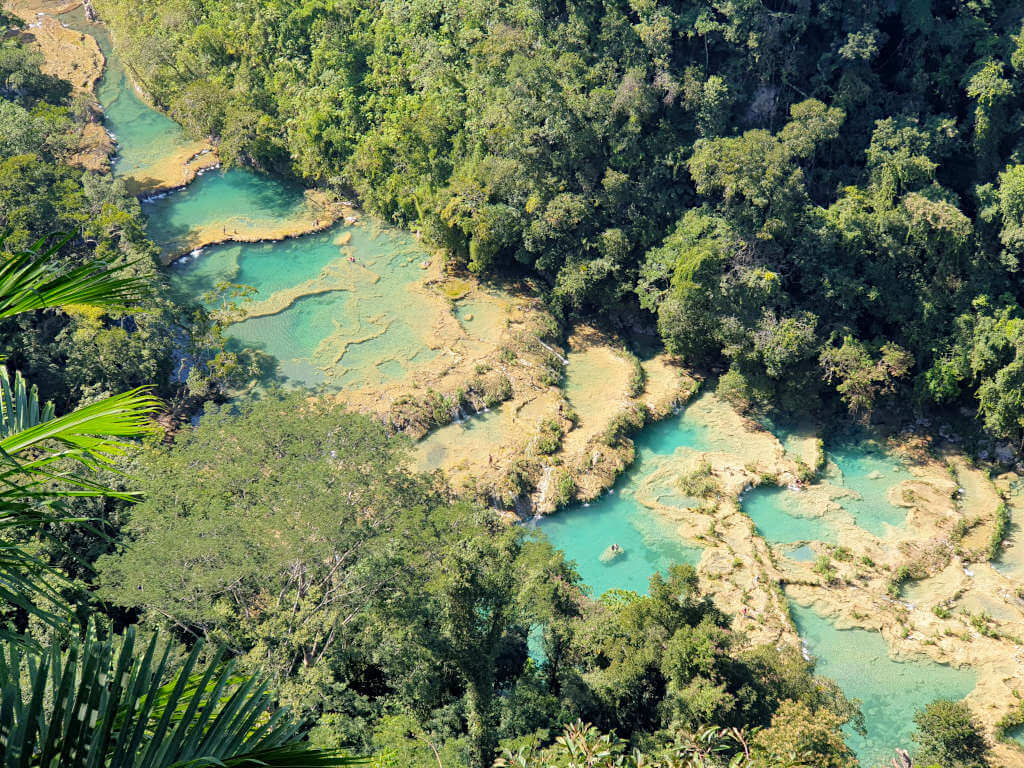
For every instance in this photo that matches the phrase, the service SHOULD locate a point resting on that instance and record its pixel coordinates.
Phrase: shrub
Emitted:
(948, 735)
(637, 376)
(550, 438)
(999, 530)
(824, 568)
(699, 483)
(565, 487)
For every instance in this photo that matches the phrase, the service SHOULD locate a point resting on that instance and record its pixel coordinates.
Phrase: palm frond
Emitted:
(29, 280)
(35, 461)
(88, 433)
(40, 466)
(101, 704)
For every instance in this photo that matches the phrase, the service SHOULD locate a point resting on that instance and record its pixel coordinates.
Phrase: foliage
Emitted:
(668, 660)
(41, 454)
(813, 196)
(309, 548)
(85, 707)
(583, 746)
(1000, 529)
(107, 703)
(947, 734)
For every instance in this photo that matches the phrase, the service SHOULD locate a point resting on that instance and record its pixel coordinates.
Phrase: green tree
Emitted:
(270, 527)
(862, 373)
(949, 735)
(465, 602)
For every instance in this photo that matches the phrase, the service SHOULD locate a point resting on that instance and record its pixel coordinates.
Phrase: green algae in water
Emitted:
(869, 471)
(372, 331)
(771, 509)
(890, 691)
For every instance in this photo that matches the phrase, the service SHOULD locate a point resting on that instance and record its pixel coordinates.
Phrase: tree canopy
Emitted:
(821, 197)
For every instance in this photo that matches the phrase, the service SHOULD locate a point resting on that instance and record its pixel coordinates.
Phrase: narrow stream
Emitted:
(144, 135)
(336, 308)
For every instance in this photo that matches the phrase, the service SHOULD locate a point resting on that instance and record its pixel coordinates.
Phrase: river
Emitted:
(337, 309)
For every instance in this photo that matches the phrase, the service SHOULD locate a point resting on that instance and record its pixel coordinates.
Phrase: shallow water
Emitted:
(686, 429)
(595, 379)
(476, 435)
(1011, 559)
(349, 323)
(862, 473)
(330, 321)
(868, 470)
(649, 540)
(802, 554)
(1017, 734)
(144, 135)
(776, 513)
(1010, 562)
(890, 691)
(481, 318)
(365, 325)
(234, 201)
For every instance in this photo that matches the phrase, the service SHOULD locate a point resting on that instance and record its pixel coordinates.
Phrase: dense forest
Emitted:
(823, 198)
(811, 195)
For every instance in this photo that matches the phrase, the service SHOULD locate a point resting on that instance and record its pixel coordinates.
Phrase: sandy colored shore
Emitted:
(95, 150)
(175, 170)
(493, 366)
(319, 213)
(76, 57)
(69, 55)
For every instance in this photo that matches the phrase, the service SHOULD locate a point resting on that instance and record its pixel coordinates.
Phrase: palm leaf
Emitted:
(87, 433)
(38, 470)
(35, 461)
(101, 704)
(41, 457)
(29, 281)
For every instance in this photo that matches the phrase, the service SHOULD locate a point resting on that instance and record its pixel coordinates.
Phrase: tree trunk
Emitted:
(479, 721)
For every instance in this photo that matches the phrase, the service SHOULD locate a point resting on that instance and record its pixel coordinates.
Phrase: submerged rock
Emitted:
(612, 552)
